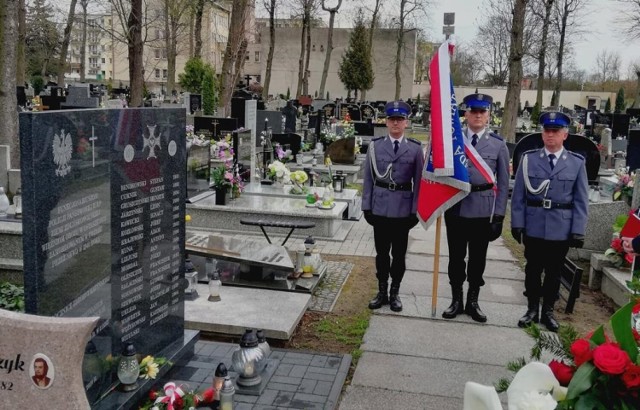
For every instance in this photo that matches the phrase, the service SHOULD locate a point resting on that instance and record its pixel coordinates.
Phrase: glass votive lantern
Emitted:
(266, 350)
(226, 394)
(246, 358)
(128, 368)
(218, 379)
(191, 276)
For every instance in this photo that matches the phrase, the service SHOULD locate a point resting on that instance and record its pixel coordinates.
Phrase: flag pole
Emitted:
(436, 268)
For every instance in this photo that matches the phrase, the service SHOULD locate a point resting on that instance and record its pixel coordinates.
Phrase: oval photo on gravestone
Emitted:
(42, 371)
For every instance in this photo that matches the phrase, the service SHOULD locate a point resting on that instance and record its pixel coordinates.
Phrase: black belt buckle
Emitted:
(392, 186)
(546, 203)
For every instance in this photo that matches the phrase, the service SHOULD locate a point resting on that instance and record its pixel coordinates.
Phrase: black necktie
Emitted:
(395, 146)
(474, 140)
(551, 158)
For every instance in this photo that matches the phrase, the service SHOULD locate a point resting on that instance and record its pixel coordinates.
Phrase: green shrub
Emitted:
(11, 297)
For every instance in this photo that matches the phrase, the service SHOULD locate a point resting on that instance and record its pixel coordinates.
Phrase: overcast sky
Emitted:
(603, 29)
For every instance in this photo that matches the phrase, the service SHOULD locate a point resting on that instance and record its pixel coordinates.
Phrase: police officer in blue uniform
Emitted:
(392, 172)
(477, 219)
(549, 208)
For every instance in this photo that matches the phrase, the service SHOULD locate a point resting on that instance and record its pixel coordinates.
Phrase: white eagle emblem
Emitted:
(152, 141)
(62, 150)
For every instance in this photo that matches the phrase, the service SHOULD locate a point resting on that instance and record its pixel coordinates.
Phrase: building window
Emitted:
(164, 73)
(104, 60)
(257, 56)
(157, 53)
(247, 57)
(313, 47)
(157, 73)
(164, 53)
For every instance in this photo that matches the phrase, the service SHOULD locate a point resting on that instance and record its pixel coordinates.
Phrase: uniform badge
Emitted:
(552, 115)
(480, 97)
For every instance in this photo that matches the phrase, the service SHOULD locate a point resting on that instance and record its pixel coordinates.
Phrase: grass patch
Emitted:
(346, 330)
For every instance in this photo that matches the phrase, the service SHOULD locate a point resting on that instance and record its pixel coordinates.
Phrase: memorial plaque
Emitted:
(275, 121)
(103, 227)
(80, 97)
(214, 127)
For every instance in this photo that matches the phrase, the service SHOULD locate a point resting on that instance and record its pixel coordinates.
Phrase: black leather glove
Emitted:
(576, 240)
(517, 234)
(368, 216)
(495, 227)
(412, 220)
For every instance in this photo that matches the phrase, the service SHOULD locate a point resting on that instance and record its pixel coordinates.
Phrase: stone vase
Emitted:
(221, 195)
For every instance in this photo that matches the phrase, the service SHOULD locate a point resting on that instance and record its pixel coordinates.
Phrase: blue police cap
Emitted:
(554, 119)
(477, 101)
(397, 109)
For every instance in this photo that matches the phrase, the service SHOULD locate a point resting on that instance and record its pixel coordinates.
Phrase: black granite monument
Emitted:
(103, 231)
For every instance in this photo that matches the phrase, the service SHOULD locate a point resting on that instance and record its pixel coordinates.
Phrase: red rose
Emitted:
(631, 377)
(636, 335)
(153, 395)
(563, 372)
(209, 395)
(616, 244)
(581, 350)
(636, 309)
(610, 359)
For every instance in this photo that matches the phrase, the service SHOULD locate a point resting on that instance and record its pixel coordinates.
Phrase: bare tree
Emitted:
(516, 53)
(197, 27)
(493, 38)
(234, 54)
(135, 48)
(22, 35)
(83, 42)
(270, 6)
(8, 99)
(327, 59)
(66, 38)
(307, 8)
(631, 19)
(408, 10)
(174, 28)
(566, 12)
(607, 66)
(372, 26)
(545, 18)
(465, 66)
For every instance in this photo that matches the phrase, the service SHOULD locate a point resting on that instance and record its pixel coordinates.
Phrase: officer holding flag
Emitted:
(477, 219)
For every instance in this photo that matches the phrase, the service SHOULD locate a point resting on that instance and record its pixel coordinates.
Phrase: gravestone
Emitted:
(103, 230)
(367, 112)
(354, 112)
(275, 120)
(80, 97)
(42, 361)
(54, 99)
(288, 140)
(329, 110)
(633, 150)
(237, 109)
(250, 116)
(214, 127)
(342, 151)
(193, 102)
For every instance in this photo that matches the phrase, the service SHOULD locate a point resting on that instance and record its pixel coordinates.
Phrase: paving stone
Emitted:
(367, 398)
(283, 369)
(267, 396)
(298, 371)
(323, 388)
(307, 385)
(314, 398)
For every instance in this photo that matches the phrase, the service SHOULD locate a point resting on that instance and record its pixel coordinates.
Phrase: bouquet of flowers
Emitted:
(616, 254)
(299, 178)
(149, 366)
(174, 397)
(194, 139)
(225, 176)
(277, 171)
(599, 370)
(623, 189)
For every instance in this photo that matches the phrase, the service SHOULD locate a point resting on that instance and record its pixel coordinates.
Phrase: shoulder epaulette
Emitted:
(378, 138)
(494, 135)
(575, 154)
(530, 151)
(415, 141)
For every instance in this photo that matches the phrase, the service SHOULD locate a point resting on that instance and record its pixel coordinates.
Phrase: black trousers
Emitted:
(391, 236)
(463, 233)
(548, 256)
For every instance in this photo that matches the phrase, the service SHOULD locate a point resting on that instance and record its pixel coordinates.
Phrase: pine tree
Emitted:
(607, 107)
(191, 79)
(535, 114)
(620, 106)
(208, 91)
(356, 71)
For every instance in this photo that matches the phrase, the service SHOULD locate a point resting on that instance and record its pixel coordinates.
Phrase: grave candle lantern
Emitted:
(226, 395)
(218, 379)
(246, 358)
(191, 275)
(128, 368)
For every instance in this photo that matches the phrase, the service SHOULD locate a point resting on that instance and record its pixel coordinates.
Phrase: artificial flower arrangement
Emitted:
(329, 135)
(600, 371)
(299, 178)
(282, 154)
(277, 171)
(174, 397)
(196, 139)
(623, 189)
(149, 366)
(616, 254)
(225, 176)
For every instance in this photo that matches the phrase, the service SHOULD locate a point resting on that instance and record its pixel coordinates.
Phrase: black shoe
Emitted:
(456, 307)
(473, 309)
(394, 302)
(548, 320)
(529, 317)
(380, 300)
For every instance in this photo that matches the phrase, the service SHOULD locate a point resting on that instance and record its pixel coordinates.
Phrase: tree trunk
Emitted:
(83, 44)
(135, 49)
(307, 72)
(543, 51)
(232, 57)
(327, 57)
(65, 42)
(516, 53)
(636, 102)
(374, 20)
(272, 46)
(563, 32)
(301, 59)
(399, 44)
(22, 36)
(8, 98)
(197, 31)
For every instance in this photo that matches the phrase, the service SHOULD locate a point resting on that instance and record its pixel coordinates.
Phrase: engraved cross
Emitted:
(93, 139)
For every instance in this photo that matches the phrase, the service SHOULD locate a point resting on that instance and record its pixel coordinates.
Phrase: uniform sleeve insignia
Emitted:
(494, 135)
(575, 154)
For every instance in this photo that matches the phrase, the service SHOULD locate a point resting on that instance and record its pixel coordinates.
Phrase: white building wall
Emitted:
(284, 73)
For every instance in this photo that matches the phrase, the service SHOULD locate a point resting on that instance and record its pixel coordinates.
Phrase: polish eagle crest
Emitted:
(62, 150)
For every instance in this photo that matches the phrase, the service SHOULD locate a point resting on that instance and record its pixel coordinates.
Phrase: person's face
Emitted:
(38, 368)
(476, 118)
(396, 126)
(553, 138)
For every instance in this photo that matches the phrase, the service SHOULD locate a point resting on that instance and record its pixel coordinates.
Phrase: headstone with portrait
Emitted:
(103, 230)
